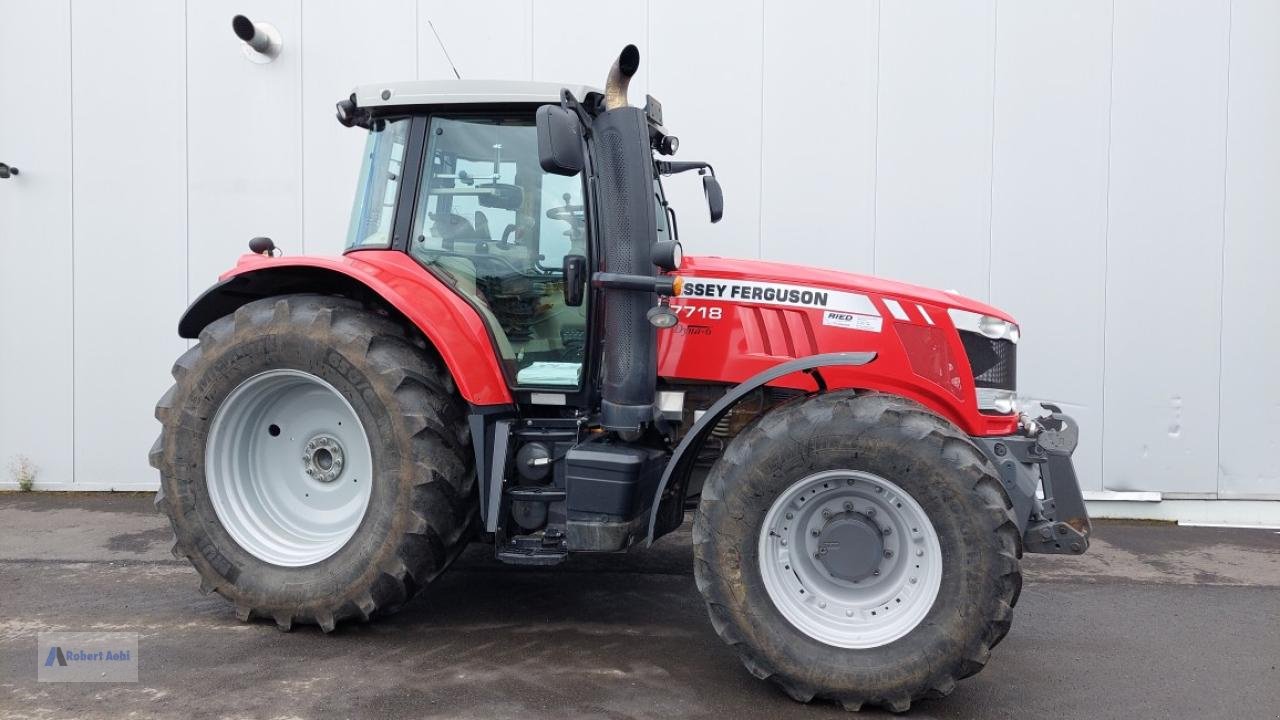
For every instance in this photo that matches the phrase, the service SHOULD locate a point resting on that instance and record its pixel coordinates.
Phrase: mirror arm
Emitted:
(671, 167)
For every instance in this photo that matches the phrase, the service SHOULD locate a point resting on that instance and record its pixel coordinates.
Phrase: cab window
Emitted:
(495, 226)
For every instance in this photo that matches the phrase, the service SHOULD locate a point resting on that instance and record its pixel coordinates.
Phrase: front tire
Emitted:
(857, 548)
(314, 462)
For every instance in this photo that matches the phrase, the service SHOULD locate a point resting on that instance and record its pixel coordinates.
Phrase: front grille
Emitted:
(994, 362)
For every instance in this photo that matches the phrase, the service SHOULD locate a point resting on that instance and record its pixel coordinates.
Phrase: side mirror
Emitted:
(559, 141)
(575, 279)
(715, 197)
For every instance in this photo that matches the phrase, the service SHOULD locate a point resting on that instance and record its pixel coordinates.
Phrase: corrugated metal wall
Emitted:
(1108, 172)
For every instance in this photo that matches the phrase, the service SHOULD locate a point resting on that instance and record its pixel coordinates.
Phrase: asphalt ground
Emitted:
(1157, 621)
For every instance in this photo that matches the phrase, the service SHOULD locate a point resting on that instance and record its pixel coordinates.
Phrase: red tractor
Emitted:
(513, 350)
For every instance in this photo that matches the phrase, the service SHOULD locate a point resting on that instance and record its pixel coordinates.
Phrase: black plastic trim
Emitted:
(682, 459)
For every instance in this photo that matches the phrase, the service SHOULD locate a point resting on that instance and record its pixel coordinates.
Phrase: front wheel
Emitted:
(857, 548)
(313, 461)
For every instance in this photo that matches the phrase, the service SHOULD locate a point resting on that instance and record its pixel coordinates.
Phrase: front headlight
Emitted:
(1004, 402)
(985, 325)
(997, 329)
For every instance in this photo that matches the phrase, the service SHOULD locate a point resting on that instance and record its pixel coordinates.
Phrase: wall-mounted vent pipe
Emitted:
(262, 42)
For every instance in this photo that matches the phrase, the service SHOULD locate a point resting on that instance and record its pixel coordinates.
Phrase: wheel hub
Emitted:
(324, 458)
(851, 546)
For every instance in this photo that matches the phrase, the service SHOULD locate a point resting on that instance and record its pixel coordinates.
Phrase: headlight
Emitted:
(1004, 402)
(667, 254)
(997, 329)
(985, 325)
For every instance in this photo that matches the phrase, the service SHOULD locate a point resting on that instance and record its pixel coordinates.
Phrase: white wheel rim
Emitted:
(288, 468)
(862, 595)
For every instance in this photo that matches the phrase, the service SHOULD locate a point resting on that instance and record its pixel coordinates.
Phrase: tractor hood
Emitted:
(710, 266)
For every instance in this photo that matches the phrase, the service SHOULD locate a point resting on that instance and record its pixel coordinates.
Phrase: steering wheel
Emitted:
(566, 213)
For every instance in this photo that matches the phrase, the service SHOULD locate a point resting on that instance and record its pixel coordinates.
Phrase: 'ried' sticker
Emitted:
(853, 321)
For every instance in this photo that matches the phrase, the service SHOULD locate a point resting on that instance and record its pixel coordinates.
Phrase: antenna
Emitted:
(444, 49)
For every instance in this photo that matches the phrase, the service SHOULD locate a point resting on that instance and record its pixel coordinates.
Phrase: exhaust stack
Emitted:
(629, 229)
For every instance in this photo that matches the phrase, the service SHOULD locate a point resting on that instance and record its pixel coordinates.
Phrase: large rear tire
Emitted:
(857, 548)
(314, 462)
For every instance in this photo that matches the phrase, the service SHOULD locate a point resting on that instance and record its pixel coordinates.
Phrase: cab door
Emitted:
(496, 227)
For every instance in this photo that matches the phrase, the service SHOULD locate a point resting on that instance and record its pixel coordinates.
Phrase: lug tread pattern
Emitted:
(719, 574)
(440, 517)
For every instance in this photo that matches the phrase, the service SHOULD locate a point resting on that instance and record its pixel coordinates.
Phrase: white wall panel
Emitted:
(244, 145)
(344, 45)
(1049, 203)
(704, 67)
(35, 240)
(487, 39)
(576, 41)
(1164, 256)
(125, 333)
(933, 187)
(1250, 424)
(817, 200)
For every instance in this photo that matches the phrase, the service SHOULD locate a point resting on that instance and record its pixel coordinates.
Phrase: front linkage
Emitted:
(1039, 457)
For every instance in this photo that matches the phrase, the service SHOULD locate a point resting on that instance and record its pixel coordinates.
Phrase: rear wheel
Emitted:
(857, 548)
(313, 461)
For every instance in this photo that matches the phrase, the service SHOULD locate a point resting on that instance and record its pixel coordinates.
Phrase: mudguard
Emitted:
(455, 329)
(681, 462)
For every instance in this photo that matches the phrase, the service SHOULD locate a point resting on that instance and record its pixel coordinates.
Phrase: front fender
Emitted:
(393, 278)
(681, 462)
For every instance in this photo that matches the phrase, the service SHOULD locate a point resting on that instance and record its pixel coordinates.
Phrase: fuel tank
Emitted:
(740, 317)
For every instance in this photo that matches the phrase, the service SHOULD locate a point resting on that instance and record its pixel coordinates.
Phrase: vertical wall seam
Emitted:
(760, 178)
(186, 139)
(991, 175)
(302, 138)
(1106, 245)
(875, 150)
(71, 125)
(1222, 256)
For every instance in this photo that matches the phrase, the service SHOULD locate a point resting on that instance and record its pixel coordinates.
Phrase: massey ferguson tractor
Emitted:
(514, 350)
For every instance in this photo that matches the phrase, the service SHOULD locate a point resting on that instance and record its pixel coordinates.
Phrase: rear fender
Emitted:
(665, 518)
(389, 278)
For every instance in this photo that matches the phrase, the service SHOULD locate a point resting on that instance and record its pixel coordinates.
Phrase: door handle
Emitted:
(7, 171)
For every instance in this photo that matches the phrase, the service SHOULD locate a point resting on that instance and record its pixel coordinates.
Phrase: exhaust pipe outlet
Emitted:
(615, 87)
(261, 40)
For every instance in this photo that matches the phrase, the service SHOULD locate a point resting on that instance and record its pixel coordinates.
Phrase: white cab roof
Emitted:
(456, 92)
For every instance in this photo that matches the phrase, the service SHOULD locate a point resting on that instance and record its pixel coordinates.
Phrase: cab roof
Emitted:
(463, 92)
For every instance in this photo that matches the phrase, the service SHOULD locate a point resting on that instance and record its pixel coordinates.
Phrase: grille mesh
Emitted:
(994, 362)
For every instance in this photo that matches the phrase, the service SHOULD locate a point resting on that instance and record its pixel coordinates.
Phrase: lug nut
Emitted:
(871, 512)
(888, 530)
(848, 507)
(848, 613)
(920, 552)
(913, 581)
(825, 513)
(813, 533)
(888, 553)
(822, 604)
(849, 481)
(875, 572)
(784, 542)
(790, 515)
(879, 489)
